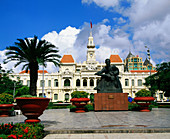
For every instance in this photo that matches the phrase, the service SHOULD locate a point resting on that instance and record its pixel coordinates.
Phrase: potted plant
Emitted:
(6, 105)
(79, 99)
(143, 99)
(32, 52)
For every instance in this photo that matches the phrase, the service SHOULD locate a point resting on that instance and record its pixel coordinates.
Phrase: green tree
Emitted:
(6, 84)
(32, 52)
(160, 80)
(24, 90)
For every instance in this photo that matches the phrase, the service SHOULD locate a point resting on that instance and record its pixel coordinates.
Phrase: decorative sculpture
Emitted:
(109, 82)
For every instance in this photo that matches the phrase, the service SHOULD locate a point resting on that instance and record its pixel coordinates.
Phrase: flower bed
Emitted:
(21, 131)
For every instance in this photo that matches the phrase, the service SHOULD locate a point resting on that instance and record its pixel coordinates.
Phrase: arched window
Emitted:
(66, 97)
(66, 82)
(78, 82)
(42, 83)
(41, 95)
(91, 82)
(126, 82)
(133, 83)
(56, 83)
(49, 83)
(139, 82)
(55, 96)
(84, 82)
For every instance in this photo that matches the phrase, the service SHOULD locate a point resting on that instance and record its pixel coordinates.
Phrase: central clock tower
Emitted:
(91, 57)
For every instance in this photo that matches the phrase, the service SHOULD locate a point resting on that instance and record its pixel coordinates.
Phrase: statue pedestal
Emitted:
(110, 101)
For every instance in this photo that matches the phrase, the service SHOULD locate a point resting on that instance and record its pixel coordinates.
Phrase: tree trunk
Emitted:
(33, 66)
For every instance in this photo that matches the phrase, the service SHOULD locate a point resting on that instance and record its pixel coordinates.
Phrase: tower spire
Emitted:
(90, 29)
(91, 57)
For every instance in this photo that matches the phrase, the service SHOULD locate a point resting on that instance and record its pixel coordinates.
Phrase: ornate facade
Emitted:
(80, 76)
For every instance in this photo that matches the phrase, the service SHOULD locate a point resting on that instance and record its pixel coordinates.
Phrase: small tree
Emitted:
(160, 80)
(79, 94)
(143, 93)
(6, 84)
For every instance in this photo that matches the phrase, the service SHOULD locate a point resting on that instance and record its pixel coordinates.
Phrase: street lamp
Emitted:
(14, 89)
(148, 53)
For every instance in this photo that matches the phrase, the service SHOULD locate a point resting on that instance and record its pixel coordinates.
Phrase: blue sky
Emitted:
(118, 26)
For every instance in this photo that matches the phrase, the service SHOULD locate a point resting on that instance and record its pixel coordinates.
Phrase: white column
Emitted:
(95, 80)
(71, 80)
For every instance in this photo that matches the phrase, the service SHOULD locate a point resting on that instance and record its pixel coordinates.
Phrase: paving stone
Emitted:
(62, 121)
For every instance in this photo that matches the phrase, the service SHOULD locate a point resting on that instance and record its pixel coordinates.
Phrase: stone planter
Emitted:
(32, 108)
(80, 103)
(144, 103)
(4, 109)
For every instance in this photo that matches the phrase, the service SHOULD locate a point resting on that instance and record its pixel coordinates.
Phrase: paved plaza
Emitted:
(61, 123)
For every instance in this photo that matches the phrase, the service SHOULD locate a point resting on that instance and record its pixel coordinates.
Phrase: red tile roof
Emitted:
(39, 71)
(115, 58)
(142, 71)
(67, 59)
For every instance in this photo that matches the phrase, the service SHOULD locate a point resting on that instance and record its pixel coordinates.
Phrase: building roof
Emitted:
(115, 58)
(39, 71)
(146, 62)
(142, 71)
(130, 55)
(67, 59)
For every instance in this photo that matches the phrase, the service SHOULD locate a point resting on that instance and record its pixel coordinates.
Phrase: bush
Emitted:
(133, 106)
(58, 107)
(89, 107)
(6, 98)
(92, 98)
(79, 94)
(27, 96)
(72, 108)
(143, 93)
(21, 130)
(24, 90)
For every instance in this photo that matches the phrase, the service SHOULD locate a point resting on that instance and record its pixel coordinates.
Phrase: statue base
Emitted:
(110, 101)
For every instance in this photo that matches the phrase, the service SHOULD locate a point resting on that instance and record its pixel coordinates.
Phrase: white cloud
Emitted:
(103, 3)
(157, 36)
(119, 20)
(9, 65)
(149, 22)
(64, 40)
(105, 21)
(145, 11)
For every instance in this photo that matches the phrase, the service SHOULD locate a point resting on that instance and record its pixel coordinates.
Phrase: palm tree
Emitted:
(32, 52)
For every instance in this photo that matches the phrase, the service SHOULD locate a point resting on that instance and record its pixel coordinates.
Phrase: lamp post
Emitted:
(148, 54)
(43, 82)
(14, 89)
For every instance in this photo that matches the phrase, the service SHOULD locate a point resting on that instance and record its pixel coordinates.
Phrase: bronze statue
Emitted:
(109, 82)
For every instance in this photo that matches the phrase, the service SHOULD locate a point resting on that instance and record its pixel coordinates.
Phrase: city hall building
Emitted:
(80, 76)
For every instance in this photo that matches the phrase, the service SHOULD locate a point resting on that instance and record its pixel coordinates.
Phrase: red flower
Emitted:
(20, 136)
(35, 136)
(26, 130)
(12, 136)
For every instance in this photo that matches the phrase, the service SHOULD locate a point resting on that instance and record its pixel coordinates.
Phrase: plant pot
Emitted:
(32, 108)
(80, 103)
(5, 109)
(144, 103)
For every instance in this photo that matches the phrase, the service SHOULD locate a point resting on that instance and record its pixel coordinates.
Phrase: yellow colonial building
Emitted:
(80, 76)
